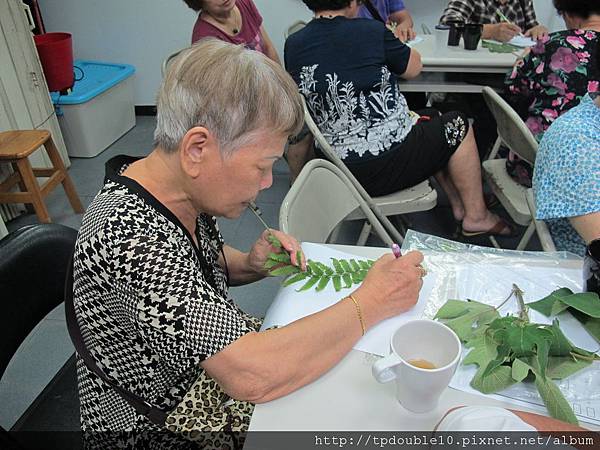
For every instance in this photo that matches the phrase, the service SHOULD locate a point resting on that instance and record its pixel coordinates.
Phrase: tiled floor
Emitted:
(48, 347)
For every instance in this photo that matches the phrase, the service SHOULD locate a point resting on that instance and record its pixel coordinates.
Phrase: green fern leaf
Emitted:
(337, 283)
(323, 282)
(310, 283)
(295, 278)
(347, 279)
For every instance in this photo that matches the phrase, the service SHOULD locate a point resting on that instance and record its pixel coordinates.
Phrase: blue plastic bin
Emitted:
(99, 109)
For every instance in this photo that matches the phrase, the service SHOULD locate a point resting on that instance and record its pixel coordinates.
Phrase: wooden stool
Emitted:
(15, 147)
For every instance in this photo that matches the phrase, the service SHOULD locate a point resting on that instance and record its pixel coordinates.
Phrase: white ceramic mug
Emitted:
(418, 389)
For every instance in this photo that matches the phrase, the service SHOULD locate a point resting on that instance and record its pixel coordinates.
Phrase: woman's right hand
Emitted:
(391, 287)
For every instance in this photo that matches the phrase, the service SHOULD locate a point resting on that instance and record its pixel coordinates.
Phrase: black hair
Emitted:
(579, 8)
(322, 5)
(196, 5)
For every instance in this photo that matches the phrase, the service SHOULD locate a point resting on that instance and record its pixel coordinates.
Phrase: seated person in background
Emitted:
(392, 12)
(520, 13)
(237, 22)
(347, 68)
(555, 75)
(566, 178)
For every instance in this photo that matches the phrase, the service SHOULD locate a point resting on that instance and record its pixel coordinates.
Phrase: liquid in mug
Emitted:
(421, 363)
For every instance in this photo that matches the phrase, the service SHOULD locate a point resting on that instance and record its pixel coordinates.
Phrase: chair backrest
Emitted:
(309, 214)
(540, 226)
(33, 267)
(336, 160)
(167, 61)
(511, 128)
(296, 26)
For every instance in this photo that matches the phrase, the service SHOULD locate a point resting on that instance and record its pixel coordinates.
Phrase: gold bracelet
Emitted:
(358, 311)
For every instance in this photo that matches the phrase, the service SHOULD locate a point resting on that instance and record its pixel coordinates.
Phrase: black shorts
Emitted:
(424, 151)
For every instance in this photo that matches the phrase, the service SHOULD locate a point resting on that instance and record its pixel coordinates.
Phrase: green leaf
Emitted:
(345, 265)
(560, 345)
(274, 241)
(337, 283)
(484, 350)
(310, 283)
(563, 366)
(314, 268)
(452, 309)
(582, 70)
(542, 348)
(364, 265)
(546, 304)
(555, 402)
(523, 339)
(520, 370)
(295, 278)
(498, 379)
(590, 324)
(337, 266)
(284, 271)
(283, 257)
(323, 283)
(477, 314)
(586, 302)
(347, 279)
(356, 279)
(270, 263)
(498, 47)
(354, 265)
(299, 256)
(502, 356)
(325, 270)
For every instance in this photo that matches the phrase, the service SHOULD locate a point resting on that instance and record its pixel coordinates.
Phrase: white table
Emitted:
(438, 64)
(348, 398)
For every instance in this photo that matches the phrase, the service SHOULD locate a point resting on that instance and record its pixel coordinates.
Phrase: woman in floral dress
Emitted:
(556, 74)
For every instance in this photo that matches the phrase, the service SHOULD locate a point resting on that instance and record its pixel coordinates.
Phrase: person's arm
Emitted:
(587, 226)
(414, 67)
(244, 268)
(260, 367)
(268, 45)
(404, 25)
(400, 58)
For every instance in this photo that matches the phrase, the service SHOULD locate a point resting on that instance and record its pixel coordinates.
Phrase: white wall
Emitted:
(144, 32)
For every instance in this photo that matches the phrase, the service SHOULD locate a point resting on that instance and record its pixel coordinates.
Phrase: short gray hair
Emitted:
(229, 90)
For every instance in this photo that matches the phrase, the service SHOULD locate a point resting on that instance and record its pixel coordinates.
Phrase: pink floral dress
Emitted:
(552, 79)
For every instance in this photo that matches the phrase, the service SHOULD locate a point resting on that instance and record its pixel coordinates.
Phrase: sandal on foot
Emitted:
(496, 230)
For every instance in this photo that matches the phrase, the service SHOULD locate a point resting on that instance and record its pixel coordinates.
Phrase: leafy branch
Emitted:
(511, 349)
(343, 274)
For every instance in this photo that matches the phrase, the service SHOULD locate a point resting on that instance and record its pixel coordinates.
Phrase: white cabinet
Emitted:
(24, 99)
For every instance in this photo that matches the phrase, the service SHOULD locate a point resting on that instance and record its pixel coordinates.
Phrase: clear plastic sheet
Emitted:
(446, 258)
(465, 271)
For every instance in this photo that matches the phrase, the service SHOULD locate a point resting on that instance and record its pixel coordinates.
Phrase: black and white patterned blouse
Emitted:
(151, 305)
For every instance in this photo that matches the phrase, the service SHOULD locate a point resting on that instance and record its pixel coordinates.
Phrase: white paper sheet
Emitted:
(414, 41)
(491, 284)
(290, 305)
(522, 41)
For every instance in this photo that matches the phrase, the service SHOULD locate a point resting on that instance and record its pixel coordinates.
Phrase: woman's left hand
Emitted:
(262, 247)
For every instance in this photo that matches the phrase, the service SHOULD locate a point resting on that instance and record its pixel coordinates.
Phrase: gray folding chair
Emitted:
(296, 26)
(539, 226)
(513, 132)
(309, 215)
(417, 198)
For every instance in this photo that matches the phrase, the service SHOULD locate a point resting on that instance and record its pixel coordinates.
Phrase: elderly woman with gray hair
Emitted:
(151, 270)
